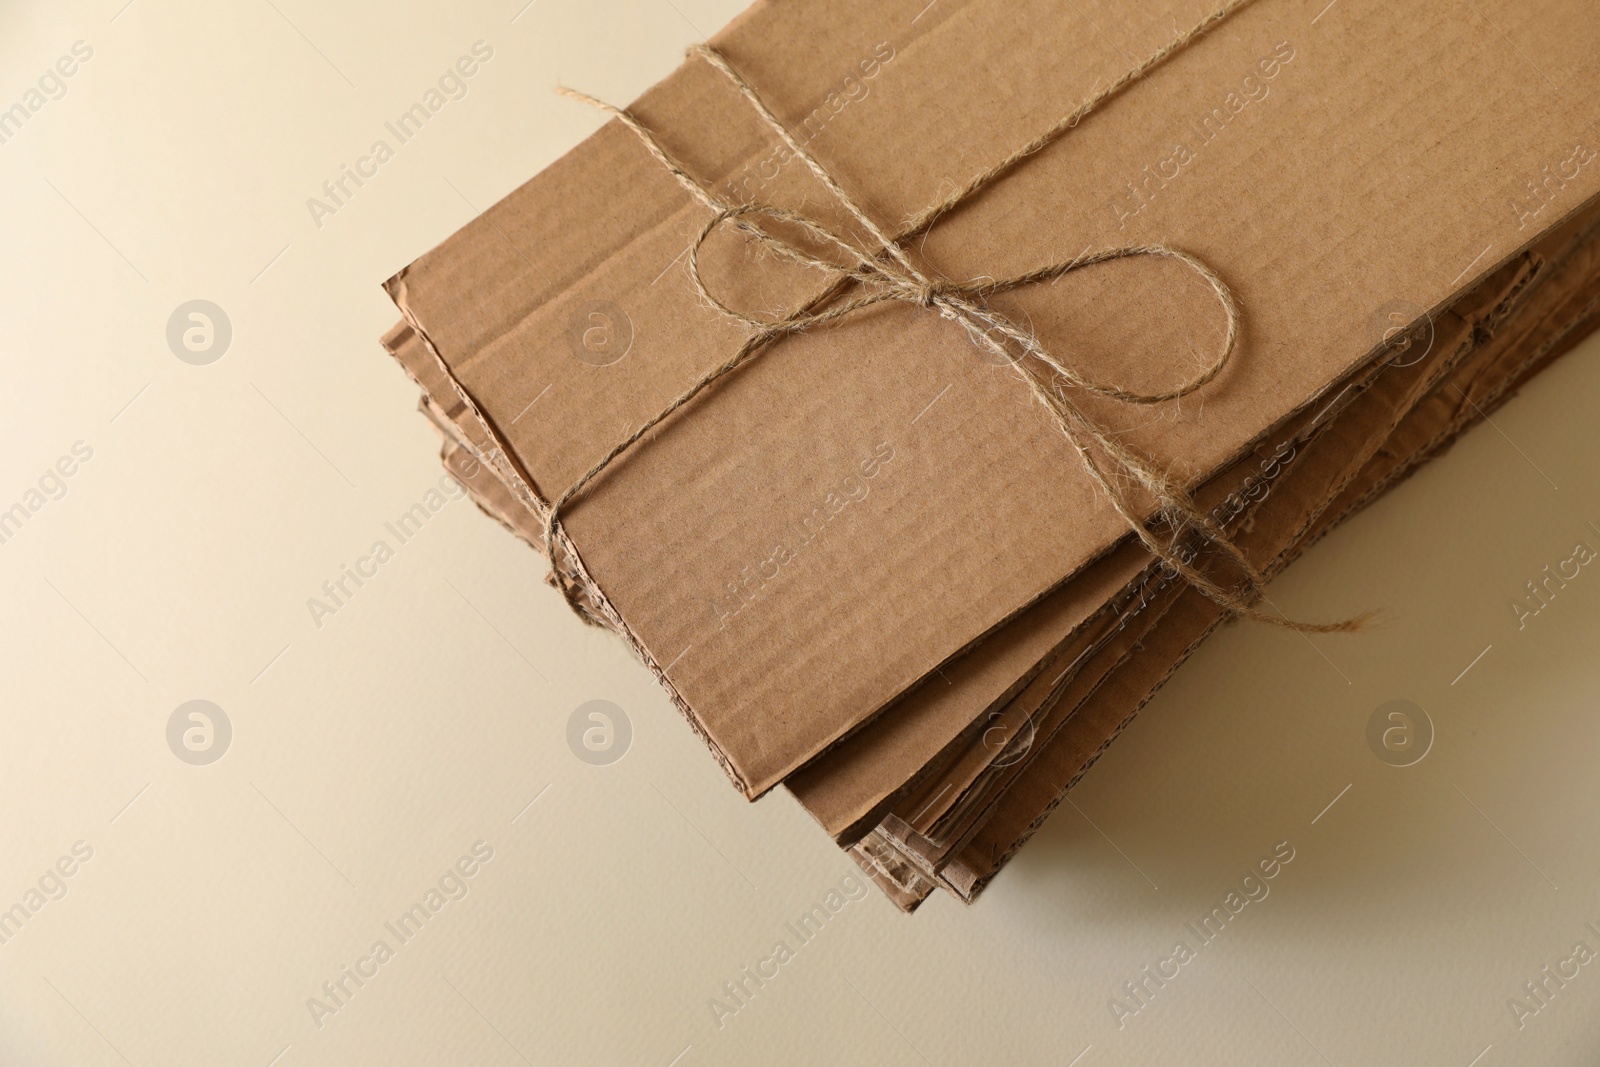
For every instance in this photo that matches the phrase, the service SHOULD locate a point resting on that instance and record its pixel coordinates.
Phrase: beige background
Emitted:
(372, 752)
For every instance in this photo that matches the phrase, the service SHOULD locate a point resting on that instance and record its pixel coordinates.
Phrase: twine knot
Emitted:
(861, 278)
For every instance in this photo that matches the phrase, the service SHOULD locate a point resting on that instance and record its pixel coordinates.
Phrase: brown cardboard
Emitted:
(1346, 438)
(907, 573)
(852, 785)
(1501, 310)
(887, 853)
(1557, 318)
(1490, 310)
(905, 755)
(1478, 312)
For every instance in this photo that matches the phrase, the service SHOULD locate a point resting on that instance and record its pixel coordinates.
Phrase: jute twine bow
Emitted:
(1130, 481)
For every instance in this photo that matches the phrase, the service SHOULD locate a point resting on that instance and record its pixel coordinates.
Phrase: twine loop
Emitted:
(859, 279)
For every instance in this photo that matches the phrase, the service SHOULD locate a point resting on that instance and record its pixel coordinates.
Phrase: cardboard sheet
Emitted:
(1555, 319)
(779, 457)
(1345, 439)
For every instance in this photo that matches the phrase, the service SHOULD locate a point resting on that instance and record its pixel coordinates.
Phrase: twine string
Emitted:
(861, 279)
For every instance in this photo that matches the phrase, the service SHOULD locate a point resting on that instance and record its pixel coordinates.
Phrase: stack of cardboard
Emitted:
(866, 565)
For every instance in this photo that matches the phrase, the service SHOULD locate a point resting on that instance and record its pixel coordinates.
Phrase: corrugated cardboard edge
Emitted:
(499, 458)
(968, 886)
(900, 881)
(917, 872)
